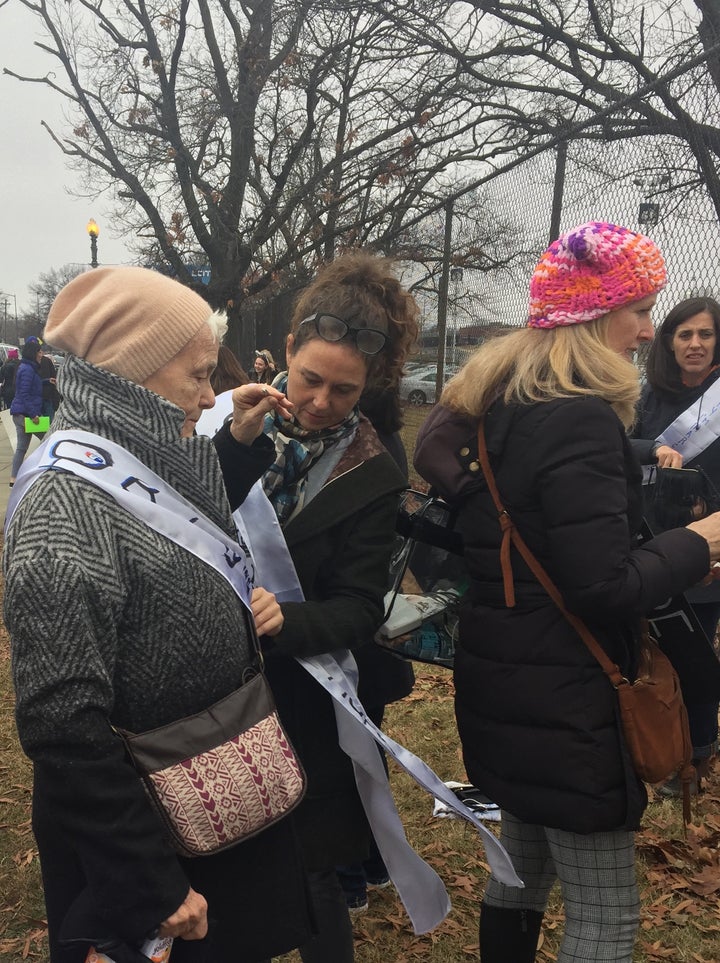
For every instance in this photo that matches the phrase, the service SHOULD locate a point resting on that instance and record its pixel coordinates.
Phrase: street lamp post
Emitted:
(456, 276)
(94, 232)
(5, 303)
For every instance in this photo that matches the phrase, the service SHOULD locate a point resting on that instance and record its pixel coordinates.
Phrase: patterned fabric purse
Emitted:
(222, 775)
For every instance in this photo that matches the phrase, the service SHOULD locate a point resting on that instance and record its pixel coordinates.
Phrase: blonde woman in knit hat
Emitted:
(536, 715)
(129, 629)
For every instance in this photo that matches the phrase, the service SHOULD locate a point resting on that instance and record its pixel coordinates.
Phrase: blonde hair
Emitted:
(534, 364)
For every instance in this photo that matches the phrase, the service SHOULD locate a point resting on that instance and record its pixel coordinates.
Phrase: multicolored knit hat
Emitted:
(590, 270)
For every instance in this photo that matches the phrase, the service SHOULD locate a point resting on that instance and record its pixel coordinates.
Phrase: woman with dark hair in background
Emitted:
(264, 368)
(229, 372)
(683, 365)
(28, 401)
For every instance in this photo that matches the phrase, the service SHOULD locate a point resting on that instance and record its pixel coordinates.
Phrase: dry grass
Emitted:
(679, 877)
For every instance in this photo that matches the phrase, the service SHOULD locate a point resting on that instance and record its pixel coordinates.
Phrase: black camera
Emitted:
(681, 496)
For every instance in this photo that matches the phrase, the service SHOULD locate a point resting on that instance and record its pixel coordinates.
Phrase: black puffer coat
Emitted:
(536, 715)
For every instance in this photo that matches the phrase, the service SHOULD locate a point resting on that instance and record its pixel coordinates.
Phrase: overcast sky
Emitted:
(41, 225)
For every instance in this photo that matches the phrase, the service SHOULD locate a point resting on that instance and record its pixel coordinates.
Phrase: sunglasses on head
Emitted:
(330, 328)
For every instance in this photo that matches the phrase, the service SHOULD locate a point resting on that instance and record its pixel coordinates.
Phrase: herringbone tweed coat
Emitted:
(114, 625)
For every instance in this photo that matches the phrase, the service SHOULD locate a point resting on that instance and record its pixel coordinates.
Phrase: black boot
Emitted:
(508, 935)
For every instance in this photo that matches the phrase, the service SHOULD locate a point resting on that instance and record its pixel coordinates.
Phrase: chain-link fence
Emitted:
(651, 183)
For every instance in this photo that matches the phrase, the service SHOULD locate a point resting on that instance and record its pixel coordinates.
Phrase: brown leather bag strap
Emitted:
(511, 534)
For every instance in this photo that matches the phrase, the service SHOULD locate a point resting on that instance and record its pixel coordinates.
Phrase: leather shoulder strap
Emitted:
(510, 534)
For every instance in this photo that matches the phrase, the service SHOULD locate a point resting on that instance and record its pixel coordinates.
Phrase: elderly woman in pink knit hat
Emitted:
(116, 625)
(537, 716)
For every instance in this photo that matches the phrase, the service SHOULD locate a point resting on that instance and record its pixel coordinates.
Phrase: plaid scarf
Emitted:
(296, 451)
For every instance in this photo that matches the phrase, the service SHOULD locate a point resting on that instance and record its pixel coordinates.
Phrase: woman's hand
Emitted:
(250, 405)
(266, 612)
(189, 920)
(667, 457)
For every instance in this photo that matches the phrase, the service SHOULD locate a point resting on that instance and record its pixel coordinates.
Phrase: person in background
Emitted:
(538, 718)
(264, 368)
(335, 492)
(48, 375)
(682, 366)
(130, 630)
(7, 377)
(27, 402)
(229, 372)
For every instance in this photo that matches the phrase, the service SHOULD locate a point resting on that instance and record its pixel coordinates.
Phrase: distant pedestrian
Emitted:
(27, 402)
(7, 377)
(264, 368)
(51, 396)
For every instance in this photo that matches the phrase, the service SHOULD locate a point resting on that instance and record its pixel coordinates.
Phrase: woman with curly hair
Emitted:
(335, 492)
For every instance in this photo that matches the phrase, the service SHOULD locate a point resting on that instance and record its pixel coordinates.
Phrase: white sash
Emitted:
(694, 429)
(261, 557)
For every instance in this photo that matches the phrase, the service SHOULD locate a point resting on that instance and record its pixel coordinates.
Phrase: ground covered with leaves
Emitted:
(679, 875)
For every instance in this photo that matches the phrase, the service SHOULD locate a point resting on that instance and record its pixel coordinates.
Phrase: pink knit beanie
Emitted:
(589, 271)
(129, 320)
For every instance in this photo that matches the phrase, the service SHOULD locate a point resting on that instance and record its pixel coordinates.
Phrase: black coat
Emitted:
(7, 377)
(340, 543)
(537, 716)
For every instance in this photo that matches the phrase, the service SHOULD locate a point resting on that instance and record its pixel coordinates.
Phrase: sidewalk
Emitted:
(7, 450)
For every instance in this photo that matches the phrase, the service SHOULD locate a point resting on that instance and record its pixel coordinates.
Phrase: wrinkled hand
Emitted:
(189, 920)
(36, 420)
(266, 612)
(667, 457)
(250, 405)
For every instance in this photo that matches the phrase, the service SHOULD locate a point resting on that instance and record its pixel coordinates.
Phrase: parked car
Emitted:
(419, 367)
(418, 388)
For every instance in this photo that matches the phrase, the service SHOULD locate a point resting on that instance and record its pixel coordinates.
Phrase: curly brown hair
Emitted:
(363, 289)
